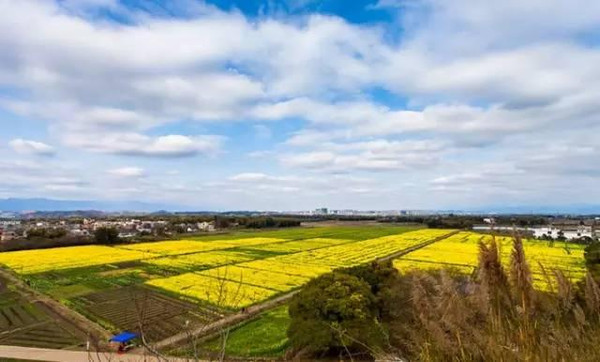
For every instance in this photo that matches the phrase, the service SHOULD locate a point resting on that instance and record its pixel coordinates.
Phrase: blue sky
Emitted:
(290, 105)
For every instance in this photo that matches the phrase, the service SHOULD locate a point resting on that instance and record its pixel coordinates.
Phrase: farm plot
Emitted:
(70, 283)
(178, 247)
(295, 246)
(37, 261)
(263, 337)
(199, 261)
(362, 251)
(272, 279)
(461, 251)
(355, 233)
(159, 315)
(219, 292)
(30, 324)
(247, 283)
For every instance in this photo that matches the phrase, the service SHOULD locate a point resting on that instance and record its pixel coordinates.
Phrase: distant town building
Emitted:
(568, 229)
(321, 211)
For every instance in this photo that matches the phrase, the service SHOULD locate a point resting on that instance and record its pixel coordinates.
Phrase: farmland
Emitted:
(31, 323)
(199, 280)
(160, 287)
(460, 252)
(251, 282)
(263, 337)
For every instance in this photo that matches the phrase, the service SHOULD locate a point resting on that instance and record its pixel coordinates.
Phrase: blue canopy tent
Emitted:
(123, 337)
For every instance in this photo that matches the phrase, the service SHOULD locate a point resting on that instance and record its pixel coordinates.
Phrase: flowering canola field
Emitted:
(258, 280)
(299, 245)
(37, 261)
(204, 260)
(230, 273)
(178, 247)
(219, 292)
(461, 251)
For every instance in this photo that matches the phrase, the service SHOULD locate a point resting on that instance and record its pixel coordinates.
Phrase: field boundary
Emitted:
(253, 311)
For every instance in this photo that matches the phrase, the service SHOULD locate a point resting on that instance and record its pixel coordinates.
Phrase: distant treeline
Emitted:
(467, 221)
(44, 243)
(51, 237)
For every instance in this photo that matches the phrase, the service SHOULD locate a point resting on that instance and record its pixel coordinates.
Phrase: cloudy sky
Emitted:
(295, 104)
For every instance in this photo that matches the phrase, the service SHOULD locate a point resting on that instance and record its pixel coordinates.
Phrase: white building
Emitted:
(567, 231)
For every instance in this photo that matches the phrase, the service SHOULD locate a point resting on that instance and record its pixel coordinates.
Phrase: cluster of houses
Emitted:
(567, 229)
(16, 229)
(10, 229)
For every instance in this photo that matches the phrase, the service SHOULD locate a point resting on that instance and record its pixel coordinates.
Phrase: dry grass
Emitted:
(495, 315)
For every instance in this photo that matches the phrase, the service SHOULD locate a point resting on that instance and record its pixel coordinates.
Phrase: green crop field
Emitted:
(31, 324)
(263, 337)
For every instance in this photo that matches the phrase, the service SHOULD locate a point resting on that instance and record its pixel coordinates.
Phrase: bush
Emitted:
(106, 235)
(333, 314)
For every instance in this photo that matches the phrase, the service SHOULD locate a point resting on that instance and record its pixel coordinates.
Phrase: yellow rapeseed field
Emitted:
(235, 279)
(272, 279)
(37, 261)
(220, 292)
(299, 245)
(363, 251)
(200, 260)
(285, 272)
(284, 266)
(176, 247)
(461, 252)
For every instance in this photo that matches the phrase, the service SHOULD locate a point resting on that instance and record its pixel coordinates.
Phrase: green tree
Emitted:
(106, 235)
(334, 314)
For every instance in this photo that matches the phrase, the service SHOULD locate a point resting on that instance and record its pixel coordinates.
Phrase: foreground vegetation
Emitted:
(493, 314)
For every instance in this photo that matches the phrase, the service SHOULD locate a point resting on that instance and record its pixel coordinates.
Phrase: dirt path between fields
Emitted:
(60, 355)
(253, 311)
(98, 335)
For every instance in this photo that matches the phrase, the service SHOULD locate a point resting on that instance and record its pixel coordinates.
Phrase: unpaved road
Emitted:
(60, 355)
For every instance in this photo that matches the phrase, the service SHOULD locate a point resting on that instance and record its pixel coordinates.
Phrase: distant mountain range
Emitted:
(47, 205)
(41, 204)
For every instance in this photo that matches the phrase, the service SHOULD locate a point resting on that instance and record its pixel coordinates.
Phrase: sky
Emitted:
(298, 104)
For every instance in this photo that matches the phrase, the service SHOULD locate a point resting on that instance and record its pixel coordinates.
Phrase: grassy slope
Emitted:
(262, 337)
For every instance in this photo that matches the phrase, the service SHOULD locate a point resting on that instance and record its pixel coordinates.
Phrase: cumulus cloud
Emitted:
(462, 88)
(135, 144)
(31, 147)
(129, 172)
(249, 176)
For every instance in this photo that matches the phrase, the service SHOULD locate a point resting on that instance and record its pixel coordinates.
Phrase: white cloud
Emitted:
(135, 144)
(374, 155)
(128, 172)
(31, 147)
(249, 176)
(463, 89)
